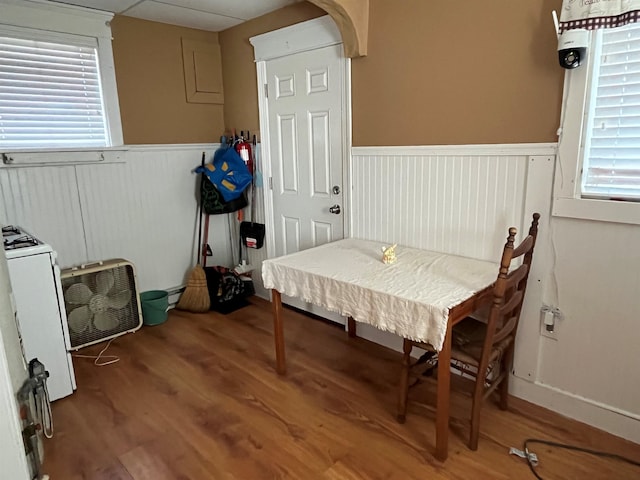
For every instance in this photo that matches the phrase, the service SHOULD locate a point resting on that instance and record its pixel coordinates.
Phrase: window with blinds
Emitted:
(50, 96)
(612, 137)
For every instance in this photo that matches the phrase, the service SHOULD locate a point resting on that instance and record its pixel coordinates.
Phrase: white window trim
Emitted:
(567, 200)
(57, 22)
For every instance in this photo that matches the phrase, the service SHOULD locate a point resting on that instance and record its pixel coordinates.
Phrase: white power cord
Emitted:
(97, 362)
(43, 409)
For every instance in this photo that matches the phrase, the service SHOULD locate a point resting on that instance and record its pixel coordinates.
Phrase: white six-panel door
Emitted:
(304, 97)
(305, 120)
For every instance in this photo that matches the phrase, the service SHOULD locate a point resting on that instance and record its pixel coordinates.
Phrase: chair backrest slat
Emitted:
(524, 247)
(513, 302)
(516, 276)
(505, 331)
(509, 313)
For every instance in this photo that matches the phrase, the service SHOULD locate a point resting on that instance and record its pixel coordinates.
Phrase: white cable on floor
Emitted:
(114, 358)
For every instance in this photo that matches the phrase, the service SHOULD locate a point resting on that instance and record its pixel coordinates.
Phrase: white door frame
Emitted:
(310, 35)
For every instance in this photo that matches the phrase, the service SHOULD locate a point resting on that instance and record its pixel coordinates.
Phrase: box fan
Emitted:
(101, 301)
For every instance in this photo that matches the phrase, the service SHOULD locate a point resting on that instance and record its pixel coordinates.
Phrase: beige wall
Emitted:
(465, 72)
(447, 73)
(153, 106)
(238, 67)
(437, 73)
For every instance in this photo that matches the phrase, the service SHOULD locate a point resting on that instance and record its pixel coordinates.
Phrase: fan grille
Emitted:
(108, 309)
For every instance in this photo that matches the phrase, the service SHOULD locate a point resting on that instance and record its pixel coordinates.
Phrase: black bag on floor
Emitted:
(227, 291)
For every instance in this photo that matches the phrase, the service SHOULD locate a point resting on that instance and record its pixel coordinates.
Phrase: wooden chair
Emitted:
(482, 349)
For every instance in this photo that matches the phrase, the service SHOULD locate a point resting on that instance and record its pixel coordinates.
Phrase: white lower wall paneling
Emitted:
(455, 204)
(454, 199)
(593, 356)
(460, 200)
(142, 208)
(146, 207)
(44, 201)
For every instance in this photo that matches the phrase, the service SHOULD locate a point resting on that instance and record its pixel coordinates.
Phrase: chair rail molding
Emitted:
(527, 149)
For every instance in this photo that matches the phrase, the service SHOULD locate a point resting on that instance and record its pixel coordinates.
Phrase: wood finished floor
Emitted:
(198, 398)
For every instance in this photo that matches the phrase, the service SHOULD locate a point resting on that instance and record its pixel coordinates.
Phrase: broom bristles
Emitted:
(195, 297)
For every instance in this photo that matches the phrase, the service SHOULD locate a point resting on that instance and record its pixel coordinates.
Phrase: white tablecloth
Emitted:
(410, 298)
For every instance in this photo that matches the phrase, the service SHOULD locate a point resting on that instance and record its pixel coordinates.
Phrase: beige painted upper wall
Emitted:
(151, 91)
(436, 73)
(463, 72)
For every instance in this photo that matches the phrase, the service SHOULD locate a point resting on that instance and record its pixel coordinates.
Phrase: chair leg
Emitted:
(403, 391)
(478, 393)
(505, 366)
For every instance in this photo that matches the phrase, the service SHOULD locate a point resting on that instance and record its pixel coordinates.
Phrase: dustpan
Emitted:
(252, 233)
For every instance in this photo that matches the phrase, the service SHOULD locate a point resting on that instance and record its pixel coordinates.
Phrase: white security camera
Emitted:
(572, 48)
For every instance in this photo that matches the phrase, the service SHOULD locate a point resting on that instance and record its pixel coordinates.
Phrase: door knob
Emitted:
(335, 209)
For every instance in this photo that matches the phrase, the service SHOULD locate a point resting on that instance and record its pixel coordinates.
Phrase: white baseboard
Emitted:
(620, 423)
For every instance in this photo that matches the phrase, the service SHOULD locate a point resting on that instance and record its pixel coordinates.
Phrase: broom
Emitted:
(195, 297)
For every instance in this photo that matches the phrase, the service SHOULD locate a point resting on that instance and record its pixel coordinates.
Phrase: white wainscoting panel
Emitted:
(143, 209)
(44, 201)
(455, 204)
(460, 200)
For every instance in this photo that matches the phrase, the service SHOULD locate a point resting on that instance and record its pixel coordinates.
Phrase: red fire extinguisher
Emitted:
(243, 147)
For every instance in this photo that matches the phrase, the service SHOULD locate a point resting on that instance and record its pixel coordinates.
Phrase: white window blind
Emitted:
(612, 140)
(50, 96)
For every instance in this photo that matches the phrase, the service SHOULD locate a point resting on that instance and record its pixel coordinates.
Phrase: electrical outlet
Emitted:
(548, 322)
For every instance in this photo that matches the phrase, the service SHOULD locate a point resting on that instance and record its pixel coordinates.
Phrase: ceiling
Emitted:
(212, 15)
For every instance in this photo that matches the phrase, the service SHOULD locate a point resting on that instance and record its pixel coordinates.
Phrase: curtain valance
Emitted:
(593, 14)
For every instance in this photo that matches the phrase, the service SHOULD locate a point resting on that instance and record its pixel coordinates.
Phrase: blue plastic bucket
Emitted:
(155, 304)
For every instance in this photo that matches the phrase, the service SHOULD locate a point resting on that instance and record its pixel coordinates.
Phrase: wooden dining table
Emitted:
(420, 296)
